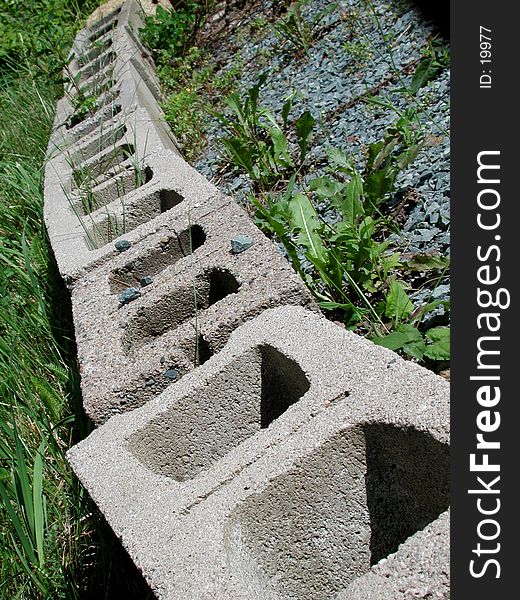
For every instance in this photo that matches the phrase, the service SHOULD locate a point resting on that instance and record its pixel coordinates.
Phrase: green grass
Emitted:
(54, 543)
(41, 504)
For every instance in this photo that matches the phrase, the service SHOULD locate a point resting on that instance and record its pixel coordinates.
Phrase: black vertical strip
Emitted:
(485, 119)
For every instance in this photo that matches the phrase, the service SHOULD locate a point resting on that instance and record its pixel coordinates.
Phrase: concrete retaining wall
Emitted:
(247, 447)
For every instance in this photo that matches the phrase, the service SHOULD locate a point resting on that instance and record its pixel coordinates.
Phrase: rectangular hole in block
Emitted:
(101, 31)
(86, 175)
(157, 259)
(99, 63)
(113, 189)
(89, 55)
(107, 19)
(129, 215)
(169, 199)
(106, 135)
(208, 423)
(171, 311)
(98, 84)
(339, 510)
(90, 107)
(82, 125)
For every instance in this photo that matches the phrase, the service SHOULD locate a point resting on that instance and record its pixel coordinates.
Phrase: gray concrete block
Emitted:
(91, 199)
(111, 170)
(194, 303)
(301, 461)
(91, 41)
(122, 74)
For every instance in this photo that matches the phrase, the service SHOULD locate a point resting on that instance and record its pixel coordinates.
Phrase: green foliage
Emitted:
(296, 30)
(359, 51)
(354, 271)
(188, 81)
(31, 31)
(37, 490)
(52, 541)
(434, 344)
(258, 144)
(436, 59)
(407, 335)
(173, 31)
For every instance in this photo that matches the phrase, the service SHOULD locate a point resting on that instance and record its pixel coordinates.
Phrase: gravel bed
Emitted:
(332, 82)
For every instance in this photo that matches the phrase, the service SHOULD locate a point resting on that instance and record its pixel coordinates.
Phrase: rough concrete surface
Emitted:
(289, 465)
(194, 302)
(105, 167)
(250, 449)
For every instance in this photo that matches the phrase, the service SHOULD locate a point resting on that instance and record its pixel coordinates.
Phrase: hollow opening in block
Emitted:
(102, 61)
(81, 125)
(88, 174)
(169, 199)
(181, 305)
(127, 213)
(101, 31)
(103, 21)
(99, 48)
(154, 261)
(112, 190)
(338, 511)
(97, 85)
(106, 135)
(283, 383)
(212, 420)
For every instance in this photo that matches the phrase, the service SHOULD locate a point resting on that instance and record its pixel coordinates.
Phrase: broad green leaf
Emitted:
(398, 305)
(240, 153)
(304, 126)
(282, 155)
(426, 262)
(286, 109)
(405, 338)
(366, 229)
(392, 261)
(425, 72)
(377, 185)
(415, 348)
(351, 205)
(439, 349)
(389, 143)
(407, 157)
(327, 188)
(394, 341)
(338, 157)
(305, 221)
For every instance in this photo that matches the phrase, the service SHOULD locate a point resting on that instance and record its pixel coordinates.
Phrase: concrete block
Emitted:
(122, 73)
(111, 170)
(301, 461)
(117, 178)
(200, 293)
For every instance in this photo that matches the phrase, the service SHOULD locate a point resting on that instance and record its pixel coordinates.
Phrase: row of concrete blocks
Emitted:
(247, 448)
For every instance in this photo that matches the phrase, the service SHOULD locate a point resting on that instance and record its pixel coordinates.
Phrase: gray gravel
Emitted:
(334, 75)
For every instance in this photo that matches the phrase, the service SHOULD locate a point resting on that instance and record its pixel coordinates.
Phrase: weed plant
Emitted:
(172, 32)
(186, 72)
(355, 273)
(299, 32)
